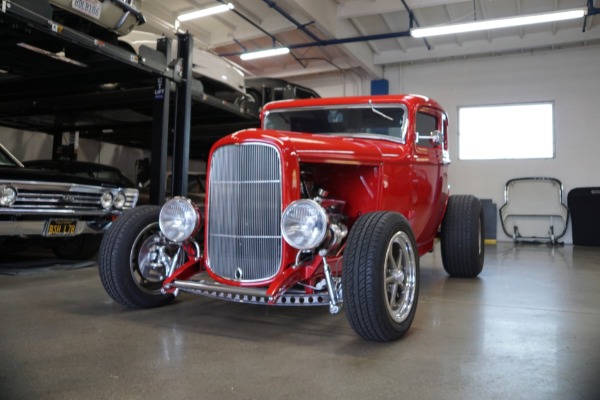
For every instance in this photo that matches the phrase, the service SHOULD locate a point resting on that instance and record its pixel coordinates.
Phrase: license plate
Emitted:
(61, 227)
(93, 8)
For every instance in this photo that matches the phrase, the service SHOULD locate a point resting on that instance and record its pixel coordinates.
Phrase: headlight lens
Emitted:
(304, 224)
(8, 195)
(119, 201)
(106, 200)
(179, 219)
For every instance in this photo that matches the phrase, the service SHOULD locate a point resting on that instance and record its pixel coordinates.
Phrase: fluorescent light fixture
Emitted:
(265, 53)
(498, 23)
(205, 12)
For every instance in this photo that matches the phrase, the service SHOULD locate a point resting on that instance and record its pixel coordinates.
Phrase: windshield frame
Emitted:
(365, 105)
(8, 155)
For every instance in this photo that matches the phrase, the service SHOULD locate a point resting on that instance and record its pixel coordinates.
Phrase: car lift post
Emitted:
(183, 110)
(160, 131)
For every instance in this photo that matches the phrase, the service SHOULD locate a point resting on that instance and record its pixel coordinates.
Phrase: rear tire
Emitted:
(462, 241)
(124, 257)
(380, 276)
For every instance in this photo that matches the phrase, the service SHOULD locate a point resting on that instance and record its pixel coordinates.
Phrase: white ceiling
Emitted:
(324, 20)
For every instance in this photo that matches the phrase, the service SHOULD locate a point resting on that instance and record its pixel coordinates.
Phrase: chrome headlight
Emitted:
(8, 195)
(106, 200)
(119, 202)
(179, 219)
(304, 224)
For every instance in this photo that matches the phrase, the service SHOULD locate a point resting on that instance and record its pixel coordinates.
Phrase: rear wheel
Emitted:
(380, 278)
(133, 259)
(462, 239)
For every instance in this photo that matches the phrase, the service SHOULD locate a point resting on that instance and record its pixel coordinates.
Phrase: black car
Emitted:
(84, 169)
(70, 213)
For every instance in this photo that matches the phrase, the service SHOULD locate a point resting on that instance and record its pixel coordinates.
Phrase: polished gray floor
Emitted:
(527, 328)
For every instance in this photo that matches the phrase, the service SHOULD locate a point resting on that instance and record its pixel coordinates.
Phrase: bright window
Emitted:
(506, 132)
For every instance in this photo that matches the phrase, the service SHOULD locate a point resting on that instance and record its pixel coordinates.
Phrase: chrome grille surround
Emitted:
(62, 198)
(244, 212)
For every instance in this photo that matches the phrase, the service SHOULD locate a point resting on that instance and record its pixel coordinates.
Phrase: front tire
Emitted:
(125, 260)
(462, 241)
(380, 276)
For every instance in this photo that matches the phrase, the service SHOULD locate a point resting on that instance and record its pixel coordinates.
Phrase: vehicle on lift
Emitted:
(331, 202)
(69, 212)
(93, 16)
(265, 90)
(219, 77)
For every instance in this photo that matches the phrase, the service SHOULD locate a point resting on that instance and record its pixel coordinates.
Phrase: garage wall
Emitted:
(35, 145)
(569, 77)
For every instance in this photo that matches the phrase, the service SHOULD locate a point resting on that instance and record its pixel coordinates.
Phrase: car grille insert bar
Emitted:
(57, 200)
(244, 235)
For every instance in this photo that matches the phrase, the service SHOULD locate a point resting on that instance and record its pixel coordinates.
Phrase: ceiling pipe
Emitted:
(331, 42)
(294, 21)
(254, 24)
(413, 19)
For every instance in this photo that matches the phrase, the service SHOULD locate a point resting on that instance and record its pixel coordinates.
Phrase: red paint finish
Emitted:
(367, 173)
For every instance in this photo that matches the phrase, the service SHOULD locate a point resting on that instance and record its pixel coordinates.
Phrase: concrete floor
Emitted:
(528, 328)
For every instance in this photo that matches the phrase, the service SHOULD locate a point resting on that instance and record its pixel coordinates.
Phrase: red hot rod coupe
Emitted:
(331, 202)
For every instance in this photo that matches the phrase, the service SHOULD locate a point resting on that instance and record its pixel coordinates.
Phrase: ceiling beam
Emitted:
(325, 16)
(361, 8)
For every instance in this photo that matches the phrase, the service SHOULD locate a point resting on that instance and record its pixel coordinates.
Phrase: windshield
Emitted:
(387, 120)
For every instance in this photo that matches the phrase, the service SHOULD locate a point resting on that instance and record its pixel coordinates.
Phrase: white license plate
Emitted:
(93, 8)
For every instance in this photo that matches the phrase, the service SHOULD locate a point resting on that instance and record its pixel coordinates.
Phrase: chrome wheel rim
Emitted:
(144, 246)
(400, 277)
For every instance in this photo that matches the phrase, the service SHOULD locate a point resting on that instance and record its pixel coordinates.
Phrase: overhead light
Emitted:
(265, 53)
(205, 12)
(498, 23)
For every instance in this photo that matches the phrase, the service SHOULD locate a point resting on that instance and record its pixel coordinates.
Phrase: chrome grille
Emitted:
(37, 199)
(244, 236)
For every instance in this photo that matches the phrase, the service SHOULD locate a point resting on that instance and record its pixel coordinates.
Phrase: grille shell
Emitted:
(244, 240)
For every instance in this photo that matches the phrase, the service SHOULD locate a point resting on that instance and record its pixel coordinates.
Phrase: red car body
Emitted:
(388, 178)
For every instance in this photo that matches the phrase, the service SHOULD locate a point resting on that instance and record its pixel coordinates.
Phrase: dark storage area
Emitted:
(584, 204)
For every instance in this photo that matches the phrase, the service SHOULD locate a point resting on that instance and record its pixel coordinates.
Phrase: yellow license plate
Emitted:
(61, 227)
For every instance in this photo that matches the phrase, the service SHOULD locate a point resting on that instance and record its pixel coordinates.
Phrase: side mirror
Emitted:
(436, 137)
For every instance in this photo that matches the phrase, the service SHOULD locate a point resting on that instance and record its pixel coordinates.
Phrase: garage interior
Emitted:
(526, 328)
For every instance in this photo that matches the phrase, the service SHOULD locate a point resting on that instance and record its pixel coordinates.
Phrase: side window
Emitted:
(426, 123)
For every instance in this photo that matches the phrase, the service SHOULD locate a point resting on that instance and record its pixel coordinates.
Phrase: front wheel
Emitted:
(134, 259)
(461, 237)
(380, 276)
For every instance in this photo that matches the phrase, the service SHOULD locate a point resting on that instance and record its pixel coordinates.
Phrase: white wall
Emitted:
(569, 77)
(36, 146)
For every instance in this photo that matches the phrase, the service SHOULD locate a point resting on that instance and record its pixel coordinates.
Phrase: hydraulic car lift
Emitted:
(108, 93)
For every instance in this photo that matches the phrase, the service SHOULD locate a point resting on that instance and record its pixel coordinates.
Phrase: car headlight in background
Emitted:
(8, 195)
(119, 201)
(179, 219)
(304, 224)
(106, 200)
